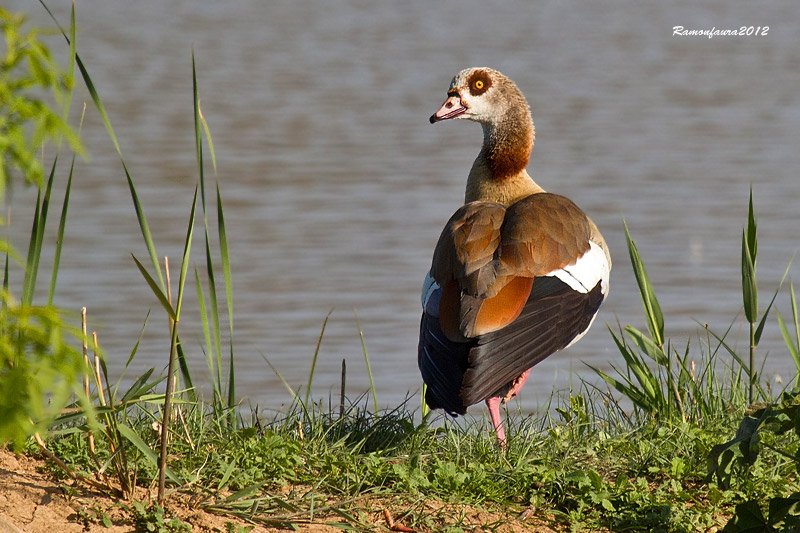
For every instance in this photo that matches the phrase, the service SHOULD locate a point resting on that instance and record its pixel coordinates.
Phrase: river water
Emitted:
(335, 186)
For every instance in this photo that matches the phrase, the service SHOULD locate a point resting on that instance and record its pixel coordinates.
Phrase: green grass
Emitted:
(641, 455)
(577, 471)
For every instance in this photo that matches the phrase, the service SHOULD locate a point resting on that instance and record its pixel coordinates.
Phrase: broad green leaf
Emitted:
(748, 518)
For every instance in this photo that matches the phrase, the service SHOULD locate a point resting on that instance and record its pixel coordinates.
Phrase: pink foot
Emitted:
(516, 386)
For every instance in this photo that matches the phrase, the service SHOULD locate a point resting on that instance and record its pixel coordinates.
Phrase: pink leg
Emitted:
(494, 411)
(494, 407)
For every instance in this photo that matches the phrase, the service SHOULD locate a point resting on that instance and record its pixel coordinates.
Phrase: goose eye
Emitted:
(479, 82)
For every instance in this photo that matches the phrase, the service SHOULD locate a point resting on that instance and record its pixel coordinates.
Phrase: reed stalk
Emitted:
(341, 389)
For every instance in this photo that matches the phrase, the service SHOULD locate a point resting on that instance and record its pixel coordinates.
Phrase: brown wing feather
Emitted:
(467, 245)
(493, 254)
(542, 233)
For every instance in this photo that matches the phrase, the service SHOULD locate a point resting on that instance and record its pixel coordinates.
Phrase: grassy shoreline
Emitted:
(572, 473)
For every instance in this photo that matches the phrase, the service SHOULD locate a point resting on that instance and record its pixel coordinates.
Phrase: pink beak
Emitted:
(451, 108)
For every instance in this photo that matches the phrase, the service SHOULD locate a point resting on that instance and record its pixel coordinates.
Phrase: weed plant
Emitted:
(40, 368)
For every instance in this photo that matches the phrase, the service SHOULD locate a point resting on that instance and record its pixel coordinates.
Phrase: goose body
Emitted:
(517, 274)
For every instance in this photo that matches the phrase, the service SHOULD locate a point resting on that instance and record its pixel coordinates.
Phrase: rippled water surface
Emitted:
(336, 186)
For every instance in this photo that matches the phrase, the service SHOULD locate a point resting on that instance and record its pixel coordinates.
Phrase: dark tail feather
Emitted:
(554, 315)
(442, 363)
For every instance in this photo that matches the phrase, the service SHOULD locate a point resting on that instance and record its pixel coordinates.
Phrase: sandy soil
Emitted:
(32, 501)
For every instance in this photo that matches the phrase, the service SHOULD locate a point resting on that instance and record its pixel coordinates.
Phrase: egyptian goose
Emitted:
(517, 273)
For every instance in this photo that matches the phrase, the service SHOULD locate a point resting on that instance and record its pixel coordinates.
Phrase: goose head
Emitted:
(483, 95)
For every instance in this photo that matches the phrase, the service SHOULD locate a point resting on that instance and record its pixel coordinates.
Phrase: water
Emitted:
(336, 186)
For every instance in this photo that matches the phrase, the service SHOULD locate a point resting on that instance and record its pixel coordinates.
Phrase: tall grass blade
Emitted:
(792, 344)
(226, 271)
(217, 349)
(223, 482)
(37, 238)
(71, 66)
(5, 287)
(646, 392)
(314, 359)
(760, 328)
(70, 41)
(7, 250)
(795, 317)
(183, 364)
(65, 205)
(652, 309)
(145, 229)
(743, 366)
(181, 290)
(187, 247)
(656, 353)
(627, 389)
(4, 299)
(27, 291)
(209, 139)
(140, 387)
(280, 377)
(214, 312)
(134, 350)
(156, 289)
(214, 305)
(40, 218)
(366, 361)
(167, 413)
(60, 239)
(342, 389)
(213, 370)
(223, 238)
(197, 138)
(722, 342)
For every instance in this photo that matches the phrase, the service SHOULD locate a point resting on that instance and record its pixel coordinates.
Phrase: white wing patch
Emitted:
(590, 268)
